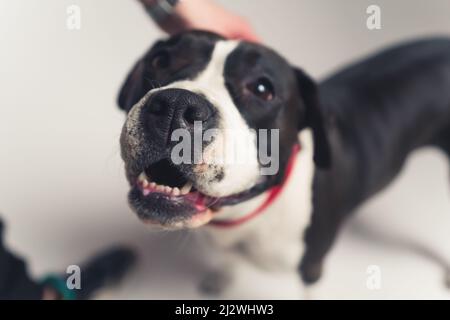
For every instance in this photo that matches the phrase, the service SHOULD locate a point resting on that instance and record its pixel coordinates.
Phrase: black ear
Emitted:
(133, 88)
(314, 119)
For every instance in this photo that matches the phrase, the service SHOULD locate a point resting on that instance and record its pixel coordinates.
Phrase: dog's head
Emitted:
(202, 113)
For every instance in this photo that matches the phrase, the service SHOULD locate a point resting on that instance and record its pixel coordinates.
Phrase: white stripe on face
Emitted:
(233, 150)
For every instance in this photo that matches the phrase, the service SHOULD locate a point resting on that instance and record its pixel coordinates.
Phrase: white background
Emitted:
(62, 186)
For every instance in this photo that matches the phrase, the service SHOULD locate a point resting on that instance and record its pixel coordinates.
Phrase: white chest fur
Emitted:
(274, 239)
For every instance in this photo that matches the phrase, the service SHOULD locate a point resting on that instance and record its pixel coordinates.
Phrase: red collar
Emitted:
(272, 195)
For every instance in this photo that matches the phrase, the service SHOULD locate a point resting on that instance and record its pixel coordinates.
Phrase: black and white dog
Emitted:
(354, 131)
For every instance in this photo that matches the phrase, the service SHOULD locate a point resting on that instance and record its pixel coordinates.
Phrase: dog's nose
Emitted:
(171, 109)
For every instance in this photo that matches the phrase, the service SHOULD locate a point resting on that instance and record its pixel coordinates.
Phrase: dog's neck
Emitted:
(283, 222)
(251, 209)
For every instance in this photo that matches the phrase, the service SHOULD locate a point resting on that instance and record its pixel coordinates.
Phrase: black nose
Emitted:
(171, 109)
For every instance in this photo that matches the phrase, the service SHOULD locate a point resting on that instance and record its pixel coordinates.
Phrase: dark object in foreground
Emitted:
(104, 269)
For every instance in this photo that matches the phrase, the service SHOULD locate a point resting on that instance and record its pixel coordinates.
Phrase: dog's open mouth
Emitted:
(162, 195)
(166, 180)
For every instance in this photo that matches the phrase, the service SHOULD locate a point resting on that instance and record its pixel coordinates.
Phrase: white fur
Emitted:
(134, 134)
(233, 149)
(237, 176)
(274, 239)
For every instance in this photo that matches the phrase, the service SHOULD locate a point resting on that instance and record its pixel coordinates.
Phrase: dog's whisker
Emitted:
(153, 83)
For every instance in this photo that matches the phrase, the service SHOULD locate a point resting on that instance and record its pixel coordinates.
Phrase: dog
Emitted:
(340, 141)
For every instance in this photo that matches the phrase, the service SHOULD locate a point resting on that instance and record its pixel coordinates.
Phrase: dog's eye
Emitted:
(161, 60)
(262, 88)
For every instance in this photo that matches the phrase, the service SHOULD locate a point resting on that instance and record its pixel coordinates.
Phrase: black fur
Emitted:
(377, 111)
(366, 120)
(314, 119)
(189, 52)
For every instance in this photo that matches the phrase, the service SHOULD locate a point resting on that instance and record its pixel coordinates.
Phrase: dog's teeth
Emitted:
(160, 188)
(152, 185)
(186, 188)
(143, 179)
(167, 189)
(176, 191)
(142, 176)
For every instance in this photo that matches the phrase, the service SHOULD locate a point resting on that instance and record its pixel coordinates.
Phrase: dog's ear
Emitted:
(133, 88)
(313, 118)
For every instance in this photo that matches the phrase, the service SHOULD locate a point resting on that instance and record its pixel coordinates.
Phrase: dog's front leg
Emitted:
(221, 261)
(319, 239)
(217, 279)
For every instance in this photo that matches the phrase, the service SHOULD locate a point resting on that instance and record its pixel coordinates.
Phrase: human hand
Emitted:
(210, 16)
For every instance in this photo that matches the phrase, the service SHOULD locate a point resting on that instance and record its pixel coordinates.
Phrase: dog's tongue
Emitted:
(200, 202)
(204, 202)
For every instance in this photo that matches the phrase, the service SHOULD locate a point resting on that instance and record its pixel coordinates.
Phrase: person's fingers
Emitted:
(250, 36)
(173, 25)
(244, 31)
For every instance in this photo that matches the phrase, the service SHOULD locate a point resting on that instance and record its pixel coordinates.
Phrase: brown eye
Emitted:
(161, 60)
(262, 88)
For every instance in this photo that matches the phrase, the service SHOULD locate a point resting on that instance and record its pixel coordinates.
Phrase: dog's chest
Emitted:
(276, 235)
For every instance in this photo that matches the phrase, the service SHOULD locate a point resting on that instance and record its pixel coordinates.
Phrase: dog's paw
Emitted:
(214, 283)
(447, 279)
(310, 272)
